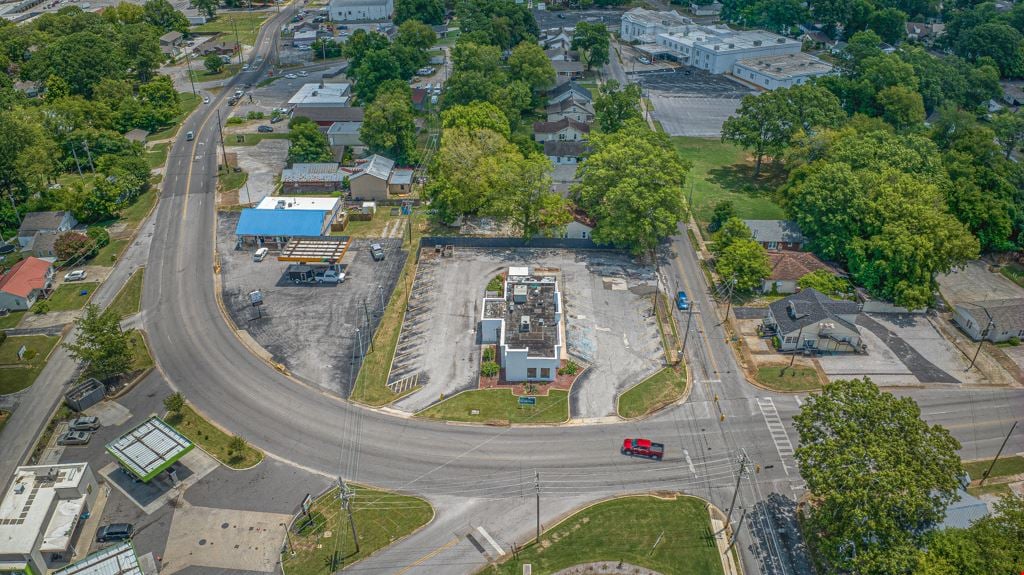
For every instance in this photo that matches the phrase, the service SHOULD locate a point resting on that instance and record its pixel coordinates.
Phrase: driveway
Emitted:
(925, 371)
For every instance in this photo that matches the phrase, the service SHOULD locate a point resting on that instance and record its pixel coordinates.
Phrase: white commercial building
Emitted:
(117, 559)
(360, 10)
(39, 515)
(321, 95)
(333, 206)
(643, 25)
(526, 325)
(718, 48)
(773, 72)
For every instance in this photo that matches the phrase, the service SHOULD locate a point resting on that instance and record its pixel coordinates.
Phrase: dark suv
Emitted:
(115, 532)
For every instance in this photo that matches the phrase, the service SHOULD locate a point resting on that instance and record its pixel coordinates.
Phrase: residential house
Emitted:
(995, 320)
(565, 129)
(777, 234)
(441, 30)
(28, 87)
(312, 178)
(817, 39)
(34, 222)
(787, 269)
(1013, 92)
(924, 32)
(581, 227)
(43, 245)
(566, 70)
(344, 135)
(400, 182)
(220, 48)
(360, 10)
(26, 282)
(579, 110)
(369, 178)
(568, 90)
(712, 9)
(565, 152)
(170, 43)
(810, 321)
(562, 55)
(557, 38)
(325, 116)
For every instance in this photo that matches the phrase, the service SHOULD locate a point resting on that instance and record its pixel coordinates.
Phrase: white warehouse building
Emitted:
(642, 25)
(718, 48)
(360, 10)
(526, 325)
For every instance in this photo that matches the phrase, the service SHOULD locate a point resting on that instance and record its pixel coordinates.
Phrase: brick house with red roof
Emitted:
(23, 284)
(787, 269)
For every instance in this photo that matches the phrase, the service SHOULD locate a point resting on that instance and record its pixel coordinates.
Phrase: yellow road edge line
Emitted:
(430, 555)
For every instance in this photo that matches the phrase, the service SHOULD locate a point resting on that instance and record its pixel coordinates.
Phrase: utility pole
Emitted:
(220, 130)
(366, 309)
(536, 482)
(75, 155)
(799, 336)
(981, 340)
(736, 491)
(188, 62)
(85, 145)
(238, 45)
(346, 494)
(984, 476)
(736, 532)
(686, 333)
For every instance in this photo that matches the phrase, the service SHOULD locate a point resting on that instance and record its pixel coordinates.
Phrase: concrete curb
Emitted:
(682, 399)
(226, 432)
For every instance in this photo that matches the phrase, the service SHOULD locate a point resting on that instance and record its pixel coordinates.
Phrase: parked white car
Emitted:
(74, 276)
(290, 76)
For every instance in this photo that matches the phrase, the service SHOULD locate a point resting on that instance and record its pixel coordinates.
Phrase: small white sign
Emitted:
(21, 353)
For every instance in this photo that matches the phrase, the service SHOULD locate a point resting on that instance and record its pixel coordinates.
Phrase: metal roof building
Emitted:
(149, 448)
(117, 559)
(282, 223)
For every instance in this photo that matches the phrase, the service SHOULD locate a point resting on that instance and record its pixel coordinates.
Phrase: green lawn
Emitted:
(370, 228)
(1011, 465)
(247, 24)
(653, 393)
(999, 489)
(499, 406)
(109, 253)
(720, 172)
(627, 530)
(157, 155)
(11, 320)
(134, 214)
(201, 74)
(231, 180)
(141, 358)
(1013, 272)
(4, 416)
(68, 296)
(15, 374)
(129, 299)
(253, 139)
(213, 440)
(322, 543)
(782, 378)
(187, 103)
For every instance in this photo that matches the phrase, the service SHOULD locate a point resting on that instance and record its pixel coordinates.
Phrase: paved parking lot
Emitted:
(691, 102)
(568, 18)
(310, 328)
(607, 312)
(975, 283)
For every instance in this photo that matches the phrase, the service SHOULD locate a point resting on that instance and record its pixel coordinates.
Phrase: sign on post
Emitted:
(21, 353)
(307, 502)
(527, 401)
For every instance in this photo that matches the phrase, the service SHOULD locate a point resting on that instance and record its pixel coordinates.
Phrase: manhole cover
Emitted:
(202, 541)
(224, 525)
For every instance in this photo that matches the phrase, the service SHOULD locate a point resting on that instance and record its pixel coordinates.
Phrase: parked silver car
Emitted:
(85, 423)
(75, 438)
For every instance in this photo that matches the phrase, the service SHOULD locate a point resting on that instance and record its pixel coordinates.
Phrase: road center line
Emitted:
(430, 555)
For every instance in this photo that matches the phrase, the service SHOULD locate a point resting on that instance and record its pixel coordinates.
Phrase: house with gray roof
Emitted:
(777, 234)
(813, 322)
(995, 320)
(369, 180)
(569, 90)
(34, 222)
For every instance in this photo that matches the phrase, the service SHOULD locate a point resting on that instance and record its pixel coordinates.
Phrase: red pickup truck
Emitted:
(643, 448)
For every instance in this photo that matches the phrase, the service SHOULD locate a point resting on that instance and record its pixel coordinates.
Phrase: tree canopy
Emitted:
(102, 345)
(388, 126)
(613, 106)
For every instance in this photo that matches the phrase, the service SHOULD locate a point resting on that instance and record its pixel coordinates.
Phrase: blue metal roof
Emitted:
(287, 223)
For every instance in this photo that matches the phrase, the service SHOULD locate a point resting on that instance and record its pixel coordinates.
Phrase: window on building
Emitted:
(773, 245)
(545, 373)
(790, 339)
(531, 373)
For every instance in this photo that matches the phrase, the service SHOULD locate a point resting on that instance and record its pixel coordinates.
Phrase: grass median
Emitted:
(17, 373)
(321, 543)
(997, 481)
(668, 535)
(11, 319)
(663, 388)
(500, 407)
(213, 440)
(129, 300)
(784, 378)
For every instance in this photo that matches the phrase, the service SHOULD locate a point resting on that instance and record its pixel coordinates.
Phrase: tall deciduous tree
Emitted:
(614, 106)
(206, 7)
(308, 144)
(1009, 129)
(762, 124)
(377, 66)
(164, 16)
(475, 116)
(591, 39)
(426, 11)
(530, 64)
(213, 63)
(388, 127)
(101, 344)
(744, 263)
(880, 477)
(632, 185)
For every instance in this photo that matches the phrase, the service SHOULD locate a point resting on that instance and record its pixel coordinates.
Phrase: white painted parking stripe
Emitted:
(491, 540)
(777, 430)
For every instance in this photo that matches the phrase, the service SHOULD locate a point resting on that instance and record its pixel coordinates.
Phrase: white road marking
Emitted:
(777, 429)
(798, 402)
(491, 540)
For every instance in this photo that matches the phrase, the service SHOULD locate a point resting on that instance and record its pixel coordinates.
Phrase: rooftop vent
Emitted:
(280, 205)
(524, 323)
(731, 45)
(757, 42)
(780, 40)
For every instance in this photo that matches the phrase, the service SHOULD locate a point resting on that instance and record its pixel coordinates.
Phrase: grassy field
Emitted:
(213, 440)
(68, 296)
(322, 543)
(722, 172)
(201, 74)
(666, 535)
(499, 406)
(653, 393)
(370, 228)
(157, 155)
(247, 25)
(794, 378)
(255, 138)
(1012, 465)
(141, 358)
(1014, 273)
(129, 299)
(134, 214)
(11, 320)
(109, 253)
(16, 374)
(187, 102)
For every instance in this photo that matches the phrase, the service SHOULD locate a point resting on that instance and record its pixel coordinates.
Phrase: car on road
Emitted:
(85, 423)
(682, 302)
(290, 76)
(643, 60)
(377, 251)
(206, 99)
(74, 276)
(276, 119)
(74, 438)
(264, 129)
(643, 448)
(330, 277)
(303, 73)
(245, 68)
(189, 136)
(115, 532)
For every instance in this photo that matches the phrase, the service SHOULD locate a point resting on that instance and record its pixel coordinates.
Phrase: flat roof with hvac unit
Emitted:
(327, 250)
(149, 448)
(117, 559)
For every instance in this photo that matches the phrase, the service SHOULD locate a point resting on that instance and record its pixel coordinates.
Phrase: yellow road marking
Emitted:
(703, 332)
(430, 555)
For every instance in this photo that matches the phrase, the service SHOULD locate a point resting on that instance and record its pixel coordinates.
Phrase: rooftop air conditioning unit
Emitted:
(280, 205)
(757, 42)
(524, 323)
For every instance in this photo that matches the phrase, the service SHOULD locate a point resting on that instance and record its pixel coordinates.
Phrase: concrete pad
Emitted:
(1016, 354)
(151, 496)
(263, 162)
(920, 334)
(223, 538)
(879, 362)
(975, 283)
(111, 413)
